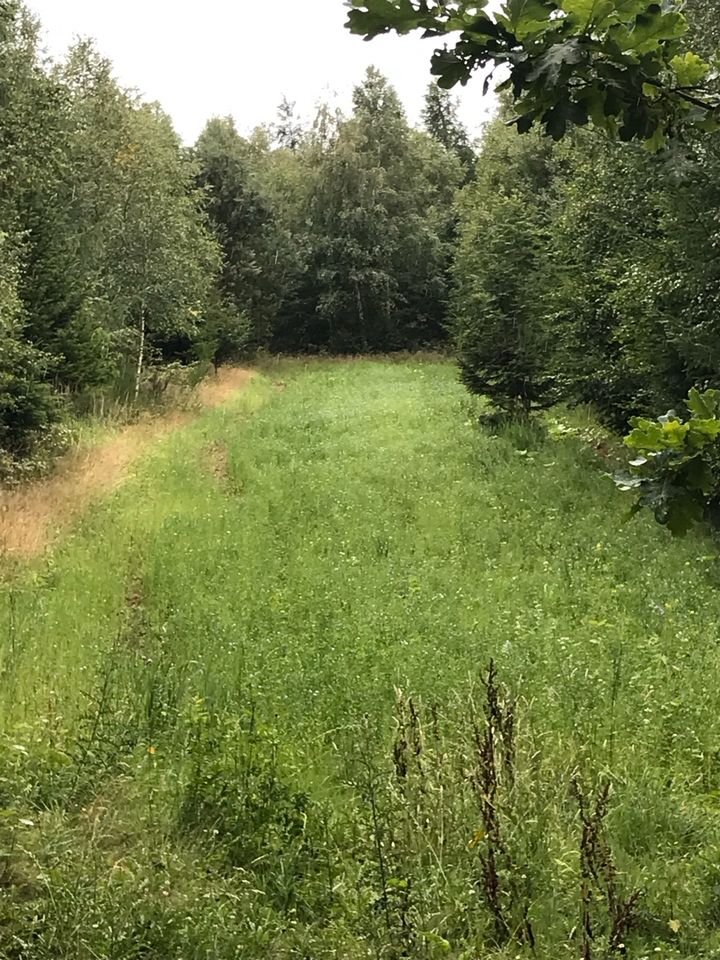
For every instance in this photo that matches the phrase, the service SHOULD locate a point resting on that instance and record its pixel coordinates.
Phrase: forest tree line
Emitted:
(584, 270)
(125, 253)
(588, 270)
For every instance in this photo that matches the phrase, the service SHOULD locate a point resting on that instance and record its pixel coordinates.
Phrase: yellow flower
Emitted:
(476, 839)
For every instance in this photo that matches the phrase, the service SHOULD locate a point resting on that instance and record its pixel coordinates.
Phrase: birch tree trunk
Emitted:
(141, 354)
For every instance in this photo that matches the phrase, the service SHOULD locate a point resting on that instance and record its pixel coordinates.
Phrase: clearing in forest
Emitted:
(337, 673)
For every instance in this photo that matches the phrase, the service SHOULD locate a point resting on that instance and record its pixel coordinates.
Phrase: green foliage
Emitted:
(216, 741)
(245, 225)
(27, 406)
(619, 280)
(601, 300)
(226, 332)
(129, 252)
(617, 64)
(500, 332)
(237, 799)
(336, 237)
(370, 219)
(405, 189)
(673, 472)
(104, 237)
(440, 116)
(360, 213)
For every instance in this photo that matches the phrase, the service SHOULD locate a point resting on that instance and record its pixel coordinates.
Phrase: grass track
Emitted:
(210, 662)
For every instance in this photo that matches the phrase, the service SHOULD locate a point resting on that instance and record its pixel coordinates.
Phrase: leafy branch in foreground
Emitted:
(618, 64)
(673, 470)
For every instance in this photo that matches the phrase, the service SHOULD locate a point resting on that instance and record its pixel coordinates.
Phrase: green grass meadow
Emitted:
(248, 711)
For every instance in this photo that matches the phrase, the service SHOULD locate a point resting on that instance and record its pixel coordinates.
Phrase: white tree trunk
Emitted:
(141, 355)
(361, 311)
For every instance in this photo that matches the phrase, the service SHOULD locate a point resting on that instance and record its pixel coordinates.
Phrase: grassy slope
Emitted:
(198, 692)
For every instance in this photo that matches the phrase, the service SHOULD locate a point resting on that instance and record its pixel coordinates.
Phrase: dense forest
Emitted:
(578, 269)
(125, 252)
(587, 270)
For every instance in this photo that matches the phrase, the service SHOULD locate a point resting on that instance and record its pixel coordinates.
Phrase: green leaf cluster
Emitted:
(620, 65)
(672, 474)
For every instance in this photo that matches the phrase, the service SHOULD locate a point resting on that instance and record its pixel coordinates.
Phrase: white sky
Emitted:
(239, 57)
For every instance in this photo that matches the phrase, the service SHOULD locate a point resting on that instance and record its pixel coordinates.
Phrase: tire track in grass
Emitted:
(32, 517)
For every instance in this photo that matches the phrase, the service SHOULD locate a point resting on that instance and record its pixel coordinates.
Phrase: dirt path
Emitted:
(31, 517)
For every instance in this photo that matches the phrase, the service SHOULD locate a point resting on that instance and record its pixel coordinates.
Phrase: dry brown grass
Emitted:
(216, 457)
(31, 517)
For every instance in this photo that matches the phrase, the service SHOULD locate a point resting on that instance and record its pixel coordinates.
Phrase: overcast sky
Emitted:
(239, 57)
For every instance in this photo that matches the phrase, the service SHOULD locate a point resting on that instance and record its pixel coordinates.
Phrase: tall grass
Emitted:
(339, 673)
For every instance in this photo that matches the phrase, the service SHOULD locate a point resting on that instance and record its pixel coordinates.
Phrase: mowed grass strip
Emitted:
(246, 706)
